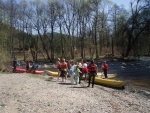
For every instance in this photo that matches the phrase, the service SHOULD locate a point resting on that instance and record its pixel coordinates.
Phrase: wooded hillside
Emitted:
(73, 28)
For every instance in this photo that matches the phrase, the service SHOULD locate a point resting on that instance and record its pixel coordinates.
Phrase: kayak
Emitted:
(36, 72)
(21, 70)
(55, 74)
(52, 73)
(98, 80)
(109, 82)
(110, 76)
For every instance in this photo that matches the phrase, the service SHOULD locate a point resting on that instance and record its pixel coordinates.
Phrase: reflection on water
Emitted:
(136, 72)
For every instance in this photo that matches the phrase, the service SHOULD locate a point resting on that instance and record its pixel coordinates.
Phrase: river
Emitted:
(136, 73)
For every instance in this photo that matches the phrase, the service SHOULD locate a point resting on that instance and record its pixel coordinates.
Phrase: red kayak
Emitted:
(20, 70)
(36, 72)
(27, 71)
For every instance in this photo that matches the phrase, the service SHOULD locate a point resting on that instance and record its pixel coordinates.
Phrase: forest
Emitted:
(73, 29)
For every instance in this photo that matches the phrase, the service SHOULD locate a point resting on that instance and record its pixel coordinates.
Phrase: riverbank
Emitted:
(25, 93)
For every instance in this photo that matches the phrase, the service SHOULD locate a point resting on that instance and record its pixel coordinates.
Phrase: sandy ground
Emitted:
(23, 93)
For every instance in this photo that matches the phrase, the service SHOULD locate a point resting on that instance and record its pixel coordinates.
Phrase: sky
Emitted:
(118, 2)
(124, 2)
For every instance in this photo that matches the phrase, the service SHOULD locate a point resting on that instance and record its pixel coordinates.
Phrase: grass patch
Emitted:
(41, 77)
(36, 76)
(49, 79)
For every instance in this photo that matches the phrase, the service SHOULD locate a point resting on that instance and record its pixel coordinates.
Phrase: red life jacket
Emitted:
(27, 63)
(92, 68)
(105, 66)
(64, 66)
(58, 65)
(68, 64)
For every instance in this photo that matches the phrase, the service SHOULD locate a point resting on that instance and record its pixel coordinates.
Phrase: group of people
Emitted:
(79, 70)
(33, 67)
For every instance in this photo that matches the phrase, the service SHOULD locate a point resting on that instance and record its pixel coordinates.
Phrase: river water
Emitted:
(136, 73)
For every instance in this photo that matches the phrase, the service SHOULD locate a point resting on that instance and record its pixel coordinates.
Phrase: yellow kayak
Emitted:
(52, 73)
(109, 82)
(99, 79)
(110, 76)
(101, 75)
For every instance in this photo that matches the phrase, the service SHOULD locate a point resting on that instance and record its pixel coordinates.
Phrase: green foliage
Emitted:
(4, 53)
(4, 58)
(87, 33)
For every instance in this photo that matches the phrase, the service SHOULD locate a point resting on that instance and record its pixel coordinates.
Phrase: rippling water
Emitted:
(136, 73)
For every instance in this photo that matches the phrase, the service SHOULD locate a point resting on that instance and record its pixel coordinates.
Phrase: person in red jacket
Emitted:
(58, 67)
(92, 69)
(27, 65)
(64, 69)
(105, 68)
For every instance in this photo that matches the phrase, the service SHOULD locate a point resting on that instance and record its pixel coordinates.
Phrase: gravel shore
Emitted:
(25, 93)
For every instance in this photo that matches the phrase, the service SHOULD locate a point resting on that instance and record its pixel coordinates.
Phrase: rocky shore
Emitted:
(27, 93)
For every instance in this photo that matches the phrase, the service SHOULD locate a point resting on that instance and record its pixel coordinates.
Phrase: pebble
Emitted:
(35, 95)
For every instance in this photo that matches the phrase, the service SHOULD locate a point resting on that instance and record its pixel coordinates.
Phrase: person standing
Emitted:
(84, 69)
(58, 67)
(105, 68)
(92, 68)
(15, 63)
(27, 65)
(34, 67)
(71, 72)
(80, 68)
(64, 69)
(77, 74)
(68, 64)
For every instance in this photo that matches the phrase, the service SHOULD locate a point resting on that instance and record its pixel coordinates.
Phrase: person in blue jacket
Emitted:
(34, 67)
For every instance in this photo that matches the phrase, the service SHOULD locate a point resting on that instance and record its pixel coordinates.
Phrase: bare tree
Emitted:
(137, 24)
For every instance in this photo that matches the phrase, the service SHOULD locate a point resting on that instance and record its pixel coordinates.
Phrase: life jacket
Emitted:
(58, 65)
(64, 66)
(27, 63)
(105, 66)
(92, 68)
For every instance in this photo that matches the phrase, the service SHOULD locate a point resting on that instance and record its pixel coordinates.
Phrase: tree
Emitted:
(53, 14)
(137, 24)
